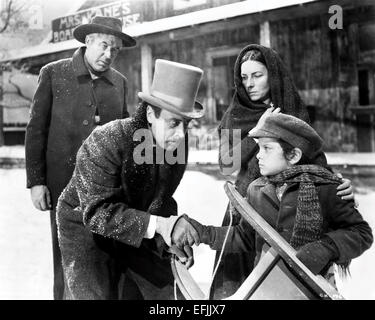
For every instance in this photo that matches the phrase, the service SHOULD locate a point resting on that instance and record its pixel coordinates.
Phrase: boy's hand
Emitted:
(206, 234)
(183, 233)
(316, 255)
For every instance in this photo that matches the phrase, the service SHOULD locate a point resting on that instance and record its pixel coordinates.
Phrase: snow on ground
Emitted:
(26, 260)
(26, 257)
(361, 283)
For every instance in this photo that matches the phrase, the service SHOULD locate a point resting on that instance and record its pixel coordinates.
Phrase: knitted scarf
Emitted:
(244, 114)
(308, 221)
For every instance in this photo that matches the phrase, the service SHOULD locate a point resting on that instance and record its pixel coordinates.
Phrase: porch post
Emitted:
(1, 108)
(146, 67)
(265, 34)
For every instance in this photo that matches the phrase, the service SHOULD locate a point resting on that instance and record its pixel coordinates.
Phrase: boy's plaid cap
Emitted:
(290, 129)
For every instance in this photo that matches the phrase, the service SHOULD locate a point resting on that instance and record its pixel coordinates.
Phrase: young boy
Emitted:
(297, 199)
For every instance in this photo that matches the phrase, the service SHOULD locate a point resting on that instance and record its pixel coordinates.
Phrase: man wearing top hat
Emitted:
(73, 97)
(117, 213)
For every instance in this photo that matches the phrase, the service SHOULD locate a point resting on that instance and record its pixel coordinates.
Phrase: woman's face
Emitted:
(254, 76)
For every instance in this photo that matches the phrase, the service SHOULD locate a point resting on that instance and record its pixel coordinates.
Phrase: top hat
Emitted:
(290, 129)
(174, 88)
(106, 25)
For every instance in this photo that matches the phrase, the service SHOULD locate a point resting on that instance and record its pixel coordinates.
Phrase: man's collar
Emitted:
(80, 68)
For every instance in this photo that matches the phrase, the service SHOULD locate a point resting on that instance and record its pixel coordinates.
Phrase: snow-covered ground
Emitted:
(25, 246)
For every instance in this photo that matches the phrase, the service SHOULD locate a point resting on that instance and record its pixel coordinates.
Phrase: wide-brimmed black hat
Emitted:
(106, 25)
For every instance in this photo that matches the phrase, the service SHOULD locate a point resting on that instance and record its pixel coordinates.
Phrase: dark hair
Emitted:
(254, 55)
(157, 110)
(288, 152)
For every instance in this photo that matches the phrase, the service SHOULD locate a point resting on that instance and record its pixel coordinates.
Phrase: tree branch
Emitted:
(8, 15)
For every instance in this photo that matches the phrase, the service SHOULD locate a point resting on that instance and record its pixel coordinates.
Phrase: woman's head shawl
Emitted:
(243, 114)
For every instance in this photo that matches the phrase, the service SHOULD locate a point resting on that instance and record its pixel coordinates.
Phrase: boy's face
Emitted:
(271, 157)
(168, 129)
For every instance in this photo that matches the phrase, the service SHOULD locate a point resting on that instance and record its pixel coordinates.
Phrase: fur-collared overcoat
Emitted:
(107, 204)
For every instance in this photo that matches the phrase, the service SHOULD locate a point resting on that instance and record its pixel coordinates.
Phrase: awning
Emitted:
(369, 109)
(166, 24)
(208, 15)
(19, 89)
(16, 109)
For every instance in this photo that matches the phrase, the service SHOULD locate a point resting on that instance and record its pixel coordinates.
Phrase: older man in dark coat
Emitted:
(117, 213)
(73, 97)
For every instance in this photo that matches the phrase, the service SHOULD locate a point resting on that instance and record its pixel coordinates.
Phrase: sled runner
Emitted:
(278, 275)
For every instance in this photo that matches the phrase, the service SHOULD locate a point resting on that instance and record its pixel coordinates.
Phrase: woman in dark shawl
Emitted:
(262, 82)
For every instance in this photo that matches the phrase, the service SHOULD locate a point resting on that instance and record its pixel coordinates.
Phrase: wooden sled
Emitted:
(279, 274)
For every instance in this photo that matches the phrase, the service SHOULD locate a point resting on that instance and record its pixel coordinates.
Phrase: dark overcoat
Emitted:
(342, 222)
(107, 204)
(62, 116)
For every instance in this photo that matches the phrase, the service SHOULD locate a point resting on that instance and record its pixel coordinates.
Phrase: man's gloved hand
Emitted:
(185, 255)
(316, 255)
(176, 230)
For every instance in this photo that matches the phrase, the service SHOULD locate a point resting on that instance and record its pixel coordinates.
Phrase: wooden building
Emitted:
(333, 67)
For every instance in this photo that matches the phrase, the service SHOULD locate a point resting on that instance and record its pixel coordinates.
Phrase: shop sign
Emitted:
(127, 11)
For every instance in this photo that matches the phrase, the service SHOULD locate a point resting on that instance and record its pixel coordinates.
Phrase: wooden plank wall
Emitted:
(323, 63)
(193, 51)
(128, 62)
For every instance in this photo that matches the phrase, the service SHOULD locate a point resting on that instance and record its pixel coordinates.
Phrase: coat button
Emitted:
(85, 122)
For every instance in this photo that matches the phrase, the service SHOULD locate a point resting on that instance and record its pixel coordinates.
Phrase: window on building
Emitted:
(223, 84)
(365, 121)
(365, 110)
(220, 82)
(312, 111)
(363, 87)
